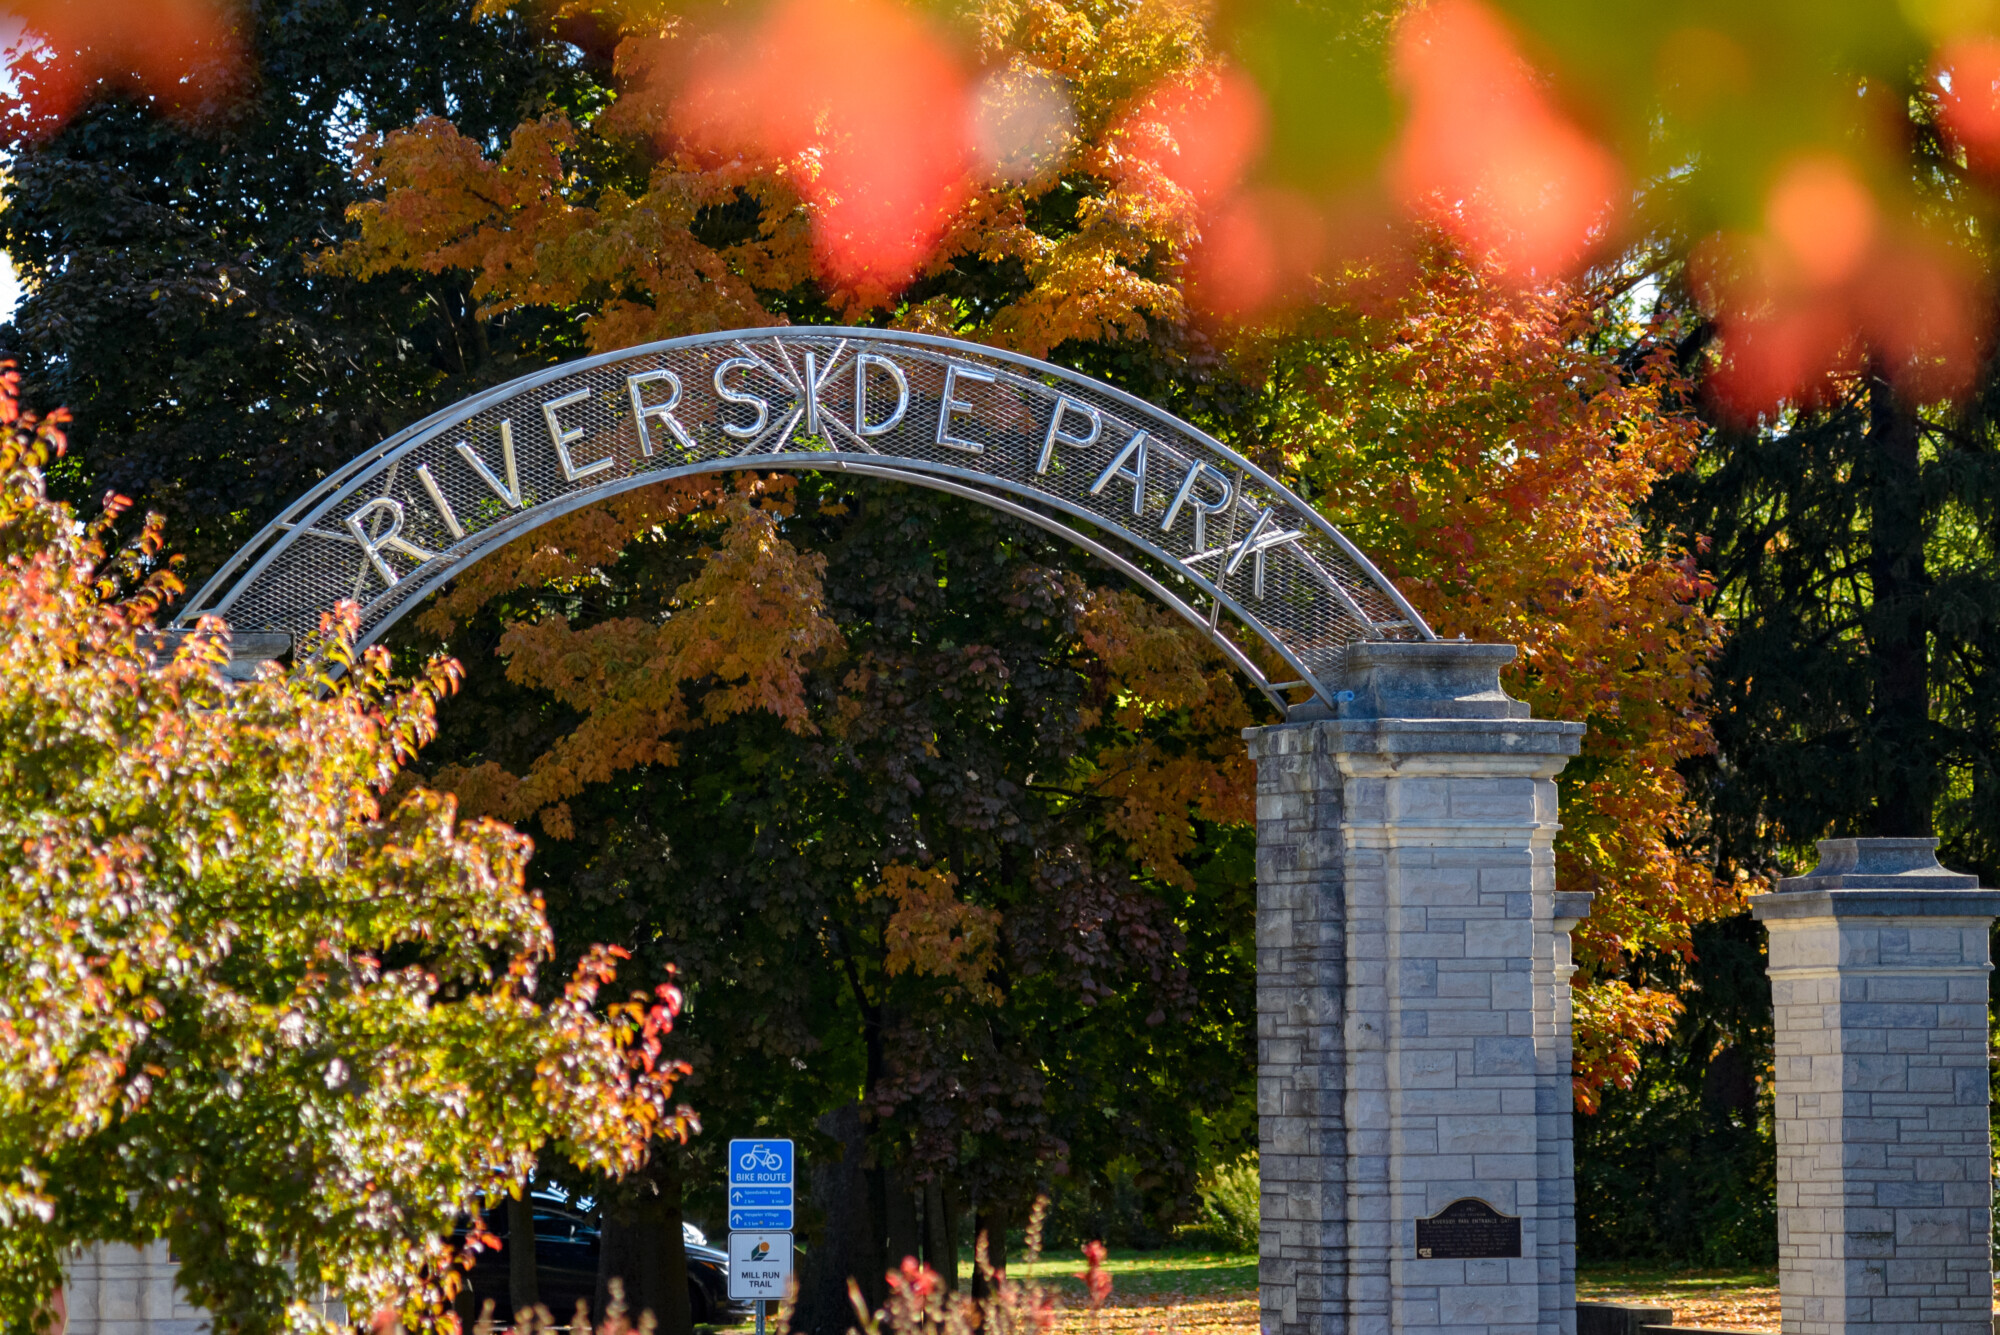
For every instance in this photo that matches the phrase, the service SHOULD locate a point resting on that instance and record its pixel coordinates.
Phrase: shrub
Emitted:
(249, 1003)
(1230, 1206)
(919, 1304)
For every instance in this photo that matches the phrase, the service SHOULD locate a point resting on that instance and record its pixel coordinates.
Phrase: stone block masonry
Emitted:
(1413, 1001)
(113, 1289)
(1878, 983)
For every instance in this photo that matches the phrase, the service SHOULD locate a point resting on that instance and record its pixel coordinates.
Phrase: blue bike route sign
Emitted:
(761, 1178)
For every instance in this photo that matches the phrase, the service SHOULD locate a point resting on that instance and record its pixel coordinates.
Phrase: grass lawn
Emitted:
(1150, 1276)
(1733, 1299)
(1189, 1292)
(1173, 1292)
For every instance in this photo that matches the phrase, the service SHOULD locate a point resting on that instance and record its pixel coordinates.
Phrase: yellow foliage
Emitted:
(1494, 463)
(933, 932)
(532, 233)
(1154, 778)
(747, 624)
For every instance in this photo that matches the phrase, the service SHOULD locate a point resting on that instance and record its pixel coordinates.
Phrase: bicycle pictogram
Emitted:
(761, 1158)
(763, 1166)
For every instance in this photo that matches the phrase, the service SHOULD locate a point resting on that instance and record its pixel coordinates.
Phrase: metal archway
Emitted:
(1046, 445)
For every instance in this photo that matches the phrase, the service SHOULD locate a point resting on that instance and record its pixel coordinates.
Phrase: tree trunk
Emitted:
(840, 1198)
(901, 1216)
(870, 1254)
(1907, 783)
(988, 1222)
(671, 1308)
(941, 1231)
(618, 1261)
(643, 1249)
(523, 1291)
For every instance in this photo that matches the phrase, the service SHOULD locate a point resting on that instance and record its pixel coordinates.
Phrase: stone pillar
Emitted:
(114, 1289)
(1413, 1043)
(1878, 985)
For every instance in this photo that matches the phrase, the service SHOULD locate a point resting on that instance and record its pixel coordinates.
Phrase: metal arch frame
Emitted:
(918, 473)
(528, 521)
(220, 591)
(1230, 649)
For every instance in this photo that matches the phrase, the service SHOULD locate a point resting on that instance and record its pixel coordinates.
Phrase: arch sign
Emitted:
(1197, 525)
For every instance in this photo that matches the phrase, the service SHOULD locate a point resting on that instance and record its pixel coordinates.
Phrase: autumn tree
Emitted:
(253, 1005)
(1498, 463)
(1446, 426)
(1850, 555)
(705, 253)
(722, 176)
(926, 859)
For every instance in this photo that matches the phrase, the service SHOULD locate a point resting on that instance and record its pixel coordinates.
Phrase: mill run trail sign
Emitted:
(1412, 953)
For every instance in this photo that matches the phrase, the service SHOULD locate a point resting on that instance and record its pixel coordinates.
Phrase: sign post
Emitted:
(761, 1180)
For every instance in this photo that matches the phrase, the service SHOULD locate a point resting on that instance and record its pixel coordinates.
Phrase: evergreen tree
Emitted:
(171, 299)
(1853, 541)
(1855, 548)
(1680, 1166)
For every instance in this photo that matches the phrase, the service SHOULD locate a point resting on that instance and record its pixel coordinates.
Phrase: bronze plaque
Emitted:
(1468, 1230)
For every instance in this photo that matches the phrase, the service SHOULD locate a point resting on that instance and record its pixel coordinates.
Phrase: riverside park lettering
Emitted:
(1196, 524)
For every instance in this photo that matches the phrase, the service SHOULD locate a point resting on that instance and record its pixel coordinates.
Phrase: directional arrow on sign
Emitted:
(746, 1220)
(761, 1196)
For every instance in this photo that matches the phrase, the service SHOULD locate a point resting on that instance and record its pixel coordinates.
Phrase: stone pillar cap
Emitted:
(1878, 864)
(1878, 877)
(1426, 679)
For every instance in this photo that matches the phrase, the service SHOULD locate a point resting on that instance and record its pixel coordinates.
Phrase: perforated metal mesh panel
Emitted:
(399, 521)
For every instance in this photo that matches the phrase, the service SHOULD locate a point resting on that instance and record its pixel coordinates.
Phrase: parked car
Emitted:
(567, 1243)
